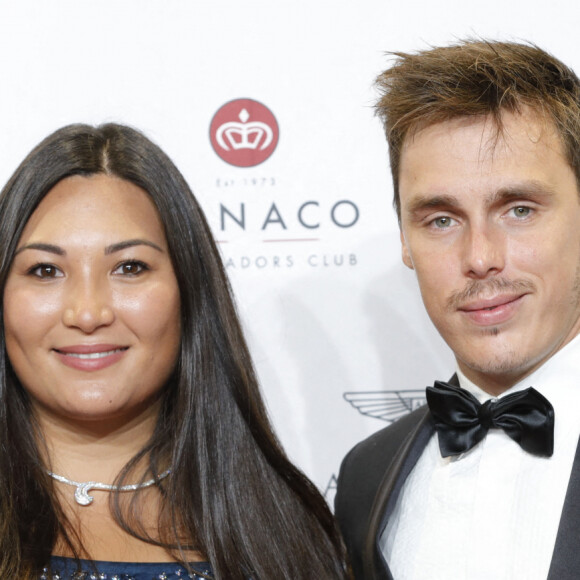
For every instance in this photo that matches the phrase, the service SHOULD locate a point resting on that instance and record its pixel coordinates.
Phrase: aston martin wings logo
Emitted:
(386, 405)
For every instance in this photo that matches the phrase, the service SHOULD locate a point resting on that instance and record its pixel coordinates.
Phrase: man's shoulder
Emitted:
(364, 467)
(384, 443)
(361, 475)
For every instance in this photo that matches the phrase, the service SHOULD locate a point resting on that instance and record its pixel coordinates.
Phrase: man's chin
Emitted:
(502, 369)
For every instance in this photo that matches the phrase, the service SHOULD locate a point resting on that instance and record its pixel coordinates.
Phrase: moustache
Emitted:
(482, 289)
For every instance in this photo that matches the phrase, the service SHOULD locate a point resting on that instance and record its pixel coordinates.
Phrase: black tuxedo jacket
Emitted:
(372, 476)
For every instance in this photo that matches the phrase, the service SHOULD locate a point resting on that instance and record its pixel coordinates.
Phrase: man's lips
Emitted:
(489, 303)
(492, 311)
(90, 357)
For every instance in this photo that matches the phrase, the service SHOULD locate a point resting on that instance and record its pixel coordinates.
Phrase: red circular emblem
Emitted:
(244, 133)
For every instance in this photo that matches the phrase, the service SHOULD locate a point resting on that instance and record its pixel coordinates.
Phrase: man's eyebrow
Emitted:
(425, 202)
(43, 247)
(129, 244)
(520, 190)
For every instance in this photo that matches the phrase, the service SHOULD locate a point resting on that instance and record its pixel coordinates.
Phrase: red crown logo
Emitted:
(244, 133)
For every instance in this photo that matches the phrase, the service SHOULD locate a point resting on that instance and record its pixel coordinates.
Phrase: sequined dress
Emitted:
(65, 569)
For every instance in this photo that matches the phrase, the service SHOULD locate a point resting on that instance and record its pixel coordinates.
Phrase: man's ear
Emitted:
(405, 253)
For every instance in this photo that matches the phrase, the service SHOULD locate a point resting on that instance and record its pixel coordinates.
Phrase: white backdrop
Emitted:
(334, 320)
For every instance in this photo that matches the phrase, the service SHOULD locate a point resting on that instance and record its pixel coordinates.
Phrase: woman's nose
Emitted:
(88, 306)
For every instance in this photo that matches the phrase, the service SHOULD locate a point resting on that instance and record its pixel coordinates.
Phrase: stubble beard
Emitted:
(510, 362)
(507, 362)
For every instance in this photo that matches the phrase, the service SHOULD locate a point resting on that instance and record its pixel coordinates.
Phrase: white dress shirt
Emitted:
(493, 512)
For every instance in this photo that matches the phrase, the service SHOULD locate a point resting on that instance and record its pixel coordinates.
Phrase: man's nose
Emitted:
(483, 251)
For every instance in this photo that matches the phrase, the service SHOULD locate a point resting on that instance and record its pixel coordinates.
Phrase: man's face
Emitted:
(491, 226)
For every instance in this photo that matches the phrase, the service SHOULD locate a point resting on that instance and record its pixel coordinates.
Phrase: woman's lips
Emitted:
(90, 357)
(492, 311)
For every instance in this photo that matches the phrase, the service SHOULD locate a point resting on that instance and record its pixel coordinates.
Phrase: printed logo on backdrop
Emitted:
(260, 223)
(244, 133)
(386, 405)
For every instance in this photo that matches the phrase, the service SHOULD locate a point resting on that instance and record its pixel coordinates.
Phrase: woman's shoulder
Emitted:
(67, 569)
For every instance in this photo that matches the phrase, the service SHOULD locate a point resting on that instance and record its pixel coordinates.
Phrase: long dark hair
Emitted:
(236, 497)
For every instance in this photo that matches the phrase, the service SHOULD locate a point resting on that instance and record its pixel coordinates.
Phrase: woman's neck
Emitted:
(93, 450)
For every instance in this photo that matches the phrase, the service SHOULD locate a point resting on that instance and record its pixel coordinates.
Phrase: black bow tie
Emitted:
(462, 421)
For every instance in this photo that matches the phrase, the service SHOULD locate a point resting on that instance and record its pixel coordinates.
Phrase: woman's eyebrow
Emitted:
(130, 243)
(43, 247)
(53, 249)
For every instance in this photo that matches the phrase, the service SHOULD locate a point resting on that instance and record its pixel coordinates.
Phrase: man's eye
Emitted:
(442, 222)
(130, 268)
(521, 211)
(45, 271)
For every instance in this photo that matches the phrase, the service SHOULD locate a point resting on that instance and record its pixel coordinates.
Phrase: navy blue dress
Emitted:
(66, 569)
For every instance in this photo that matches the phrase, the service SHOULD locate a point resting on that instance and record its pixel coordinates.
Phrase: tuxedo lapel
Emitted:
(403, 461)
(566, 556)
(408, 453)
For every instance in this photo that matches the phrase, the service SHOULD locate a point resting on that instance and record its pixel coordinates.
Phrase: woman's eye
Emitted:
(45, 271)
(130, 268)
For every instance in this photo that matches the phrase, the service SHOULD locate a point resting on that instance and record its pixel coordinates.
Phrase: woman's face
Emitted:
(91, 304)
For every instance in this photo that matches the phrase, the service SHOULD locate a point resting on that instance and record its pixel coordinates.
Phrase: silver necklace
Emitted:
(82, 496)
